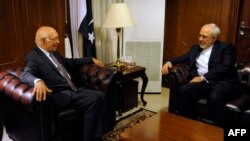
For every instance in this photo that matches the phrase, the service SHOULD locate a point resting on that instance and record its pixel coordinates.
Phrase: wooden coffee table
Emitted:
(170, 127)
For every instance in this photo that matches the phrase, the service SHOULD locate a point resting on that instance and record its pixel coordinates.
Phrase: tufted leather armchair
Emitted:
(238, 108)
(29, 120)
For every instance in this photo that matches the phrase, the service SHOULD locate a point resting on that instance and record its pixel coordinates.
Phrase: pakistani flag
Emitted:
(86, 28)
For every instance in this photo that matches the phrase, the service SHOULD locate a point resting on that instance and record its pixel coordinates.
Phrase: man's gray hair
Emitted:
(214, 29)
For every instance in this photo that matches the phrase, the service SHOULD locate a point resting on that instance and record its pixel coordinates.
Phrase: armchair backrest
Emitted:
(244, 73)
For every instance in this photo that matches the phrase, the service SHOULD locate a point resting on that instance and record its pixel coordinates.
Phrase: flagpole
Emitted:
(66, 16)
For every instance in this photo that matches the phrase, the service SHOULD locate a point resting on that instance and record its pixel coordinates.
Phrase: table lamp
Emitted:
(118, 16)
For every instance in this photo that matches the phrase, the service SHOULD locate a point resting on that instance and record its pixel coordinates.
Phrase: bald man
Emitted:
(42, 71)
(211, 73)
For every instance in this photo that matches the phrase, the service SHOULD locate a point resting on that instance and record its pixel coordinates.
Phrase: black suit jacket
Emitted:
(38, 66)
(221, 65)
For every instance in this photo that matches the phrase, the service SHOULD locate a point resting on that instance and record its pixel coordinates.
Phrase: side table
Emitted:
(131, 73)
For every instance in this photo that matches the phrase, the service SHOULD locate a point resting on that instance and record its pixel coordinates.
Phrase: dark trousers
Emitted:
(91, 103)
(218, 94)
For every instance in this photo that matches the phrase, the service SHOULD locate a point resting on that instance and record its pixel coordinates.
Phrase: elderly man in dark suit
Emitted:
(51, 75)
(212, 74)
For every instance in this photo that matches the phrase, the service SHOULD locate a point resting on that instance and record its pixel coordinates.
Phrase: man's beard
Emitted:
(202, 46)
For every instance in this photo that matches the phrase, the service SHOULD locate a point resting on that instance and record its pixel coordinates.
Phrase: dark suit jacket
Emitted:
(221, 65)
(38, 66)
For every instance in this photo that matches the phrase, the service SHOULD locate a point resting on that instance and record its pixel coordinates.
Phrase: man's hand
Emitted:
(41, 91)
(165, 68)
(196, 79)
(97, 62)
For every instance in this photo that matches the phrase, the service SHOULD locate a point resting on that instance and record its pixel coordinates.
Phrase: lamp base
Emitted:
(118, 64)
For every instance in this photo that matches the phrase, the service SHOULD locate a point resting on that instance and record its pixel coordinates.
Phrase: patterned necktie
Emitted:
(63, 72)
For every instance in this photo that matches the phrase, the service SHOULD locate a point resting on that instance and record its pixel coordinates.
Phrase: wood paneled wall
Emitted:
(19, 21)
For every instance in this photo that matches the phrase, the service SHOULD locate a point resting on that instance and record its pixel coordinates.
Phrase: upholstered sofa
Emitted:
(238, 108)
(28, 120)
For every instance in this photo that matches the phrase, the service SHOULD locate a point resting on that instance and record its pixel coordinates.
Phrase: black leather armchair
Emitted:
(238, 108)
(29, 120)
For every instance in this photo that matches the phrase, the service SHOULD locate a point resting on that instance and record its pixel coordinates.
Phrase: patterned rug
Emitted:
(127, 122)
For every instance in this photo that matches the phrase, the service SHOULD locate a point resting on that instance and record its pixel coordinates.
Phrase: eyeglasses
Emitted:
(202, 36)
(53, 39)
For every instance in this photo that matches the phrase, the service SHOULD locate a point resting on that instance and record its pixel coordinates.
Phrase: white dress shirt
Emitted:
(202, 61)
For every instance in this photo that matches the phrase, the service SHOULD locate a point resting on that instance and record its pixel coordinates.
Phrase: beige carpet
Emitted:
(127, 122)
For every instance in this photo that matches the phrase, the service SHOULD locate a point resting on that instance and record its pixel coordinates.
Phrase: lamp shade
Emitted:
(118, 16)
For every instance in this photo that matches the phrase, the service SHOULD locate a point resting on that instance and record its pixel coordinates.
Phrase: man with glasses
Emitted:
(211, 74)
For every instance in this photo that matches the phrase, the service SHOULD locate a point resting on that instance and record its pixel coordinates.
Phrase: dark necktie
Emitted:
(63, 72)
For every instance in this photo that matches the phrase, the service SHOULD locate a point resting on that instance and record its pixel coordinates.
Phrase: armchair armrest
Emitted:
(106, 80)
(241, 103)
(13, 88)
(99, 78)
(177, 75)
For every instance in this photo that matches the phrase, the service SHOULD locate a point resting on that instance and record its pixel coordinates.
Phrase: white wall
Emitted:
(149, 19)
